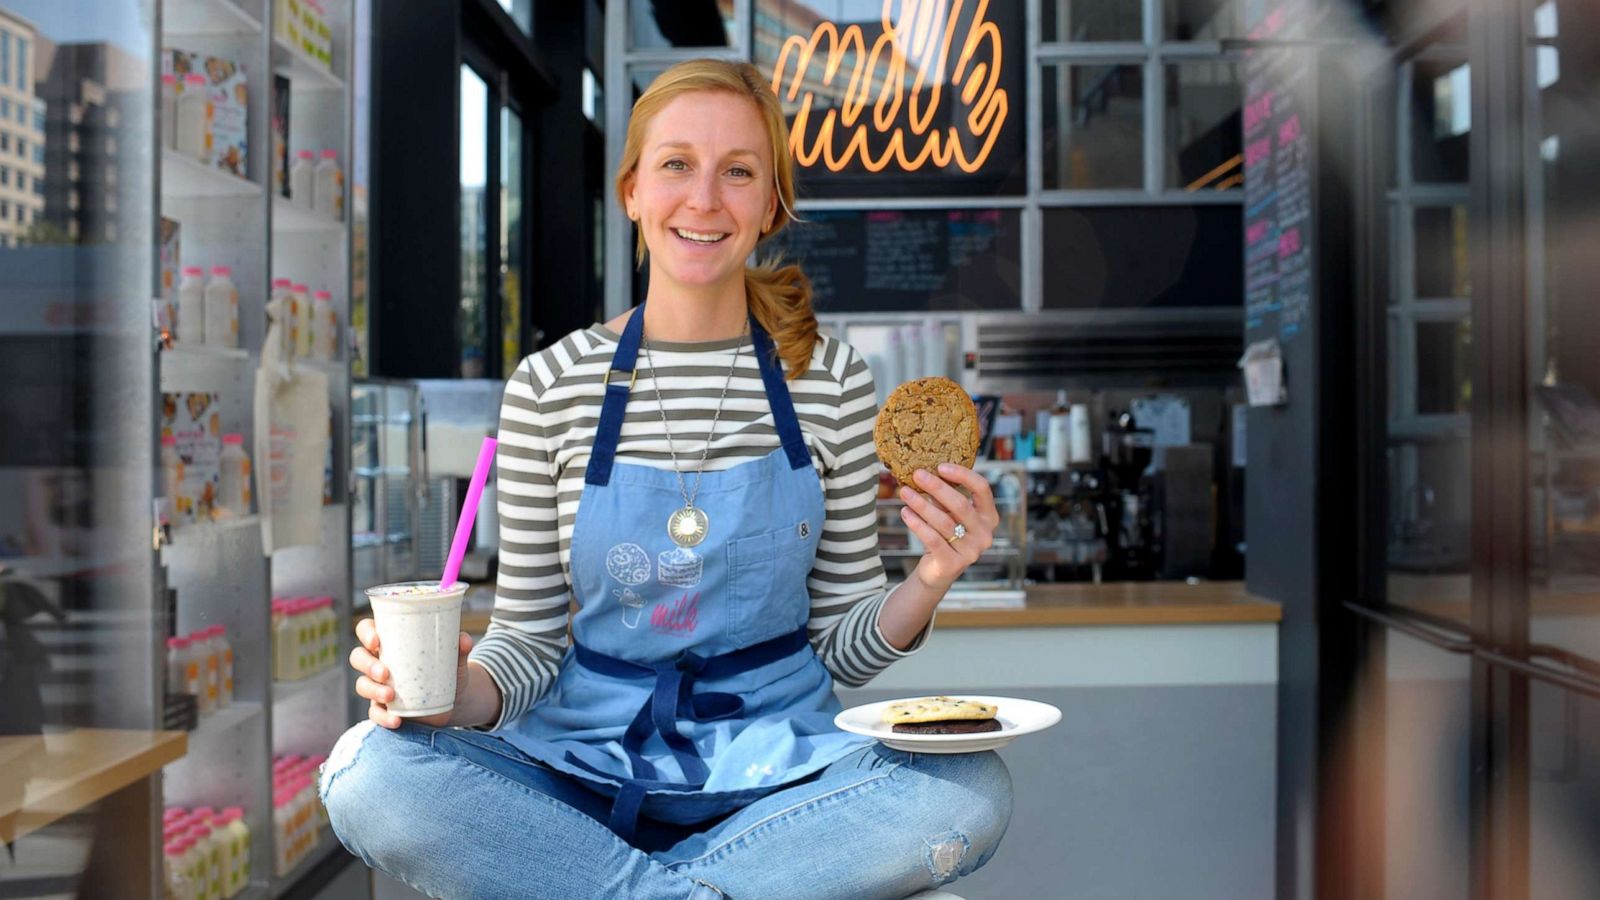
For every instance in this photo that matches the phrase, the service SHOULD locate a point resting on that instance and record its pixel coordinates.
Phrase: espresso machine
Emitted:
(1067, 516)
(1126, 452)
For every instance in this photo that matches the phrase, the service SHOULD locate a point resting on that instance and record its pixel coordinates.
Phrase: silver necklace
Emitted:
(689, 525)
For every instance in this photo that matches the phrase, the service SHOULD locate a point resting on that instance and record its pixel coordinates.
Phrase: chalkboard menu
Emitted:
(908, 260)
(1278, 223)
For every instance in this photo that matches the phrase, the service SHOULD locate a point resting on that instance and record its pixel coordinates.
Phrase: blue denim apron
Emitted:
(691, 689)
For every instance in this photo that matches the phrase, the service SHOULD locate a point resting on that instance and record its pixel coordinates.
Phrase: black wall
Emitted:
(1300, 508)
(416, 153)
(565, 294)
(416, 231)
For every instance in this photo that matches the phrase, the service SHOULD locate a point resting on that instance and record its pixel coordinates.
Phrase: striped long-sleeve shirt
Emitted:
(547, 427)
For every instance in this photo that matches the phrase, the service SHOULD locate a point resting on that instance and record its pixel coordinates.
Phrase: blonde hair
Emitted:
(779, 295)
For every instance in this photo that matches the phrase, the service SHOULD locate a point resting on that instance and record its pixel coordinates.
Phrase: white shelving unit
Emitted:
(288, 217)
(337, 677)
(208, 17)
(185, 178)
(220, 570)
(289, 61)
(224, 721)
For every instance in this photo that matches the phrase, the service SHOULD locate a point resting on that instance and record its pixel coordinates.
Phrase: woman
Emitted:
(698, 475)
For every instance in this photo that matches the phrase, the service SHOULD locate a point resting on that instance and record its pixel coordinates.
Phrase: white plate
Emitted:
(1017, 717)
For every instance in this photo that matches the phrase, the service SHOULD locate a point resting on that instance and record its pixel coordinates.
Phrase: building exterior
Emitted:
(21, 130)
(84, 88)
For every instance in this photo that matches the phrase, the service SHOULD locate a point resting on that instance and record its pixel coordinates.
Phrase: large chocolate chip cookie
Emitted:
(924, 423)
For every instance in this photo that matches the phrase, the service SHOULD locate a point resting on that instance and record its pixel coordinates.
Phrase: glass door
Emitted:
(1477, 718)
(1417, 700)
(1561, 84)
(495, 243)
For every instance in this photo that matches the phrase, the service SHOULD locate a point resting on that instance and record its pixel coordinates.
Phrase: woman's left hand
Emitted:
(954, 530)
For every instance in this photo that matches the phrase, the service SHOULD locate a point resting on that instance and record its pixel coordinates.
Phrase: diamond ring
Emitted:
(960, 532)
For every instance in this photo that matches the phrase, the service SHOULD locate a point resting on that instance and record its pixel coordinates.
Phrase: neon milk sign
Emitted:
(905, 69)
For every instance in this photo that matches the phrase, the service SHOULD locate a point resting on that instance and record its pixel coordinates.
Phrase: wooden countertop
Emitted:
(1121, 603)
(43, 778)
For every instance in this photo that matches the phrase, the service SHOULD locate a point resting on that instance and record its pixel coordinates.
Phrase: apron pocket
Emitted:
(766, 574)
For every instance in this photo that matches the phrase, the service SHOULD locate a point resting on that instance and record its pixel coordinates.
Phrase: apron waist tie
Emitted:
(673, 699)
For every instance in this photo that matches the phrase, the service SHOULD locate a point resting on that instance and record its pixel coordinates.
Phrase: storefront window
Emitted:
(80, 698)
(1563, 499)
(1441, 120)
(360, 180)
(1093, 126)
(1063, 21)
(1430, 335)
(911, 130)
(473, 321)
(641, 80)
(1443, 267)
(1203, 126)
(1427, 758)
(655, 24)
(1443, 381)
(1142, 257)
(1200, 20)
(513, 274)
(521, 12)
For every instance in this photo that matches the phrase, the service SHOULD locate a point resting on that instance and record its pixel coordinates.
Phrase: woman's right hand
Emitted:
(373, 683)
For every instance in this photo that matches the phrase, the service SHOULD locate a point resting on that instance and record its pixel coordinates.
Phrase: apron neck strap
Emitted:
(624, 362)
(783, 415)
(619, 384)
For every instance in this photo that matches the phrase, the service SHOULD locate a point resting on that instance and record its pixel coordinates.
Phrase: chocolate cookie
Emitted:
(949, 726)
(924, 423)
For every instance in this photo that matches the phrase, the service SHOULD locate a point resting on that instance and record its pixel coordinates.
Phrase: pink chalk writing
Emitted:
(1289, 129)
(1257, 111)
(1288, 242)
(1269, 26)
(1257, 151)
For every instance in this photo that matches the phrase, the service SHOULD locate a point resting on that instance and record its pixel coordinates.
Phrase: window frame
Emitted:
(1152, 52)
(495, 46)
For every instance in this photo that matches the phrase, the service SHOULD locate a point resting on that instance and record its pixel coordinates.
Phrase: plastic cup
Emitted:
(419, 627)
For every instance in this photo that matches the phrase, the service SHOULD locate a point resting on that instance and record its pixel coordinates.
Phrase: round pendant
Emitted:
(687, 526)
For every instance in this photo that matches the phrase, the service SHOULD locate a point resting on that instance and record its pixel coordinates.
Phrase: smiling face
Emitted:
(702, 192)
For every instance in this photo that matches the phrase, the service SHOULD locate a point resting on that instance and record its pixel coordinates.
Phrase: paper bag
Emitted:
(291, 417)
(1263, 373)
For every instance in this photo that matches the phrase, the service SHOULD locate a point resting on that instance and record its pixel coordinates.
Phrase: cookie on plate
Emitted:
(941, 715)
(953, 726)
(924, 423)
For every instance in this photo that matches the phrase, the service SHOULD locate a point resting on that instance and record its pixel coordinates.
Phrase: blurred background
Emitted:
(1280, 315)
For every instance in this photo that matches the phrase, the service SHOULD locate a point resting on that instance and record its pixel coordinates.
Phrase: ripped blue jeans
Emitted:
(463, 814)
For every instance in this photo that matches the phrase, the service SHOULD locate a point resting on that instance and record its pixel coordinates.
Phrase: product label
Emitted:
(195, 420)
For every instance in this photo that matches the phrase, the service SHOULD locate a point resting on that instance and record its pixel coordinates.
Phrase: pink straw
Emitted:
(469, 511)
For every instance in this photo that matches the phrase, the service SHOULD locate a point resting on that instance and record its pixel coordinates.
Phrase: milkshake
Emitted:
(418, 642)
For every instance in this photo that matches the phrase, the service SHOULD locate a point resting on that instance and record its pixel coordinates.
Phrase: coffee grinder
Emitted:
(1127, 451)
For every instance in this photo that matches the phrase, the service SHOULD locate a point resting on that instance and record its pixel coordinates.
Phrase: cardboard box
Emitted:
(171, 265)
(279, 125)
(195, 419)
(229, 115)
(303, 25)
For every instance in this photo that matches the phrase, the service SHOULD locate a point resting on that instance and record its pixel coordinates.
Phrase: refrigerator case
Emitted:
(388, 475)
